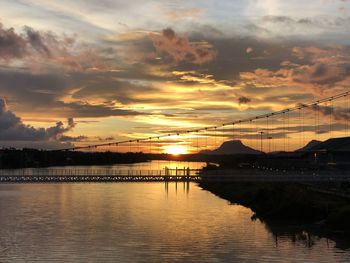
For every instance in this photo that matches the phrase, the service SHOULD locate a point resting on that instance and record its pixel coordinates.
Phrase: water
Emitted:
(142, 222)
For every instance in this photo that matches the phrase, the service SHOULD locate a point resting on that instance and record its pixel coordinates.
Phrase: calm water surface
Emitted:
(142, 222)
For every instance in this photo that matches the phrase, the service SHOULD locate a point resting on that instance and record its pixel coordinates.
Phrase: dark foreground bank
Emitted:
(289, 203)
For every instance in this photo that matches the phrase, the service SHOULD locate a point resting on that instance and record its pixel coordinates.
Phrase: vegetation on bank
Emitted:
(11, 158)
(288, 202)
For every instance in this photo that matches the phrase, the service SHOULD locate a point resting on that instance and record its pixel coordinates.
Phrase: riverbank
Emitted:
(287, 202)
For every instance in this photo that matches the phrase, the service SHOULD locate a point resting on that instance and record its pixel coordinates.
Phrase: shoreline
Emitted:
(288, 204)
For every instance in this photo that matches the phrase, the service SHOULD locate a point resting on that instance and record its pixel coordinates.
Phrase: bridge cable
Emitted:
(197, 142)
(330, 118)
(347, 116)
(302, 126)
(300, 129)
(214, 138)
(284, 132)
(251, 141)
(315, 123)
(233, 131)
(267, 135)
(317, 126)
(288, 131)
(206, 140)
(223, 134)
(256, 132)
(209, 128)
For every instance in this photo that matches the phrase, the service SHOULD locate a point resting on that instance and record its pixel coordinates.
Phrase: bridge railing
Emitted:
(97, 172)
(109, 175)
(165, 172)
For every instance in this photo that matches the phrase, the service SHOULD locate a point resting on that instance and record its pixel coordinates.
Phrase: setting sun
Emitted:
(176, 149)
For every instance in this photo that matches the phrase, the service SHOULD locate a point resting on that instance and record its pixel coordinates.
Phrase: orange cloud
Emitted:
(176, 14)
(249, 50)
(317, 70)
(181, 49)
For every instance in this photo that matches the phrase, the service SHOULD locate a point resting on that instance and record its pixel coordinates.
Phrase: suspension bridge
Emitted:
(276, 132)
(282, 130)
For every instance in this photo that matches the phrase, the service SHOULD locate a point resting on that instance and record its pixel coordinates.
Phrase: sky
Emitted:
(74, 73)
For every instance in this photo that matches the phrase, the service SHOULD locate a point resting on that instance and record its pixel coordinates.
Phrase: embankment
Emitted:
(287, 202)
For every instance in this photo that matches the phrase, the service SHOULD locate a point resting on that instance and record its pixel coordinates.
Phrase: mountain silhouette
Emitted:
(340, 144)
(310, 145)
(232, 147)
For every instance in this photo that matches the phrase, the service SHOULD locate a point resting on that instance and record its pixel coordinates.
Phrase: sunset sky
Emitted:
(85, 72)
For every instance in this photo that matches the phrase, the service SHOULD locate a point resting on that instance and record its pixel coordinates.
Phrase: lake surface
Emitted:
(143, 222)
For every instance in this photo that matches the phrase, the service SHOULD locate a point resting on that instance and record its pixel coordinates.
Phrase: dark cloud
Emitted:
(82, 138)
(278, 19)
(86, 110)
(39, 94)
(47, 51)
(337, 113)
(12, 45)
(110, 138)
(169, 33)
(243, 100)
(321, 29)
(13, 129)
(36, 41)
(232, 57)
(321, 66)
(288, 20)
(111, 89)
(32, 92)
(65, 138)
(146, 79)
(306, 69)
(307, 22)
(319, 73)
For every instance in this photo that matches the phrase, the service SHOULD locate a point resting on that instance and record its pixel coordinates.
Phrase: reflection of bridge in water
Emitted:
(169, 175)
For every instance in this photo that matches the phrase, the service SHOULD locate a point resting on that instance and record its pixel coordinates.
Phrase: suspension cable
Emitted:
(211, 128)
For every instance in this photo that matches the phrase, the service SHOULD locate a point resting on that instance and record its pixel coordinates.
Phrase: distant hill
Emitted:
(332, 144)
(232, 147)
(309, 146)
(341, 144)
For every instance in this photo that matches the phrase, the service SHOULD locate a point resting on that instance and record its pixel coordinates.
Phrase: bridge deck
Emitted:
(57, 176)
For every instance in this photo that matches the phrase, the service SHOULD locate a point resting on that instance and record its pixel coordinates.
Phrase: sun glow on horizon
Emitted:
(176, 149)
